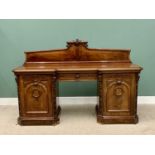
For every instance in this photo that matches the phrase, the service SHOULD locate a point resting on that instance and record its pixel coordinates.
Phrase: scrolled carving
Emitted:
(118, 82)
(100, 91)
(137, 78)
(77, 42)
(36, 82)
(55, 84)
(117, 94)
(118, 91)
(36, 93)
(35, 90)
(17, 79)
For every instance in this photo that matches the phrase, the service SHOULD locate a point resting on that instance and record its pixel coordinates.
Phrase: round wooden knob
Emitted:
(77, 75)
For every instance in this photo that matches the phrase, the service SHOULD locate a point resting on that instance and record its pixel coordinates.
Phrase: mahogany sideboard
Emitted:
(38, 82)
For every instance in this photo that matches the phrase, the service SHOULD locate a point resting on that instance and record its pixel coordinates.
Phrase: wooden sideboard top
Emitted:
(77, 56)
(79, 67)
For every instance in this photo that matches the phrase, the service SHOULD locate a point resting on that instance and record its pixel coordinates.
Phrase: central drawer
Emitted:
(77, 76)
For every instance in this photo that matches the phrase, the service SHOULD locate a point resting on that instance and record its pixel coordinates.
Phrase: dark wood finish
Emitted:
(118, 98)
(38, 78)
(37, 99)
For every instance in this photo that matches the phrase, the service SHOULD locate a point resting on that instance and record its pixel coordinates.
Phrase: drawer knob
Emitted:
(77, 75)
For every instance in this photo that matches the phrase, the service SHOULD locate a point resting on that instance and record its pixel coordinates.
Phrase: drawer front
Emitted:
(119, 94)
(36, 95)
(77, 76)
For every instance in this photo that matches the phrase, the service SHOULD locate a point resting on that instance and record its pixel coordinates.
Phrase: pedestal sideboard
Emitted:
(38, 82)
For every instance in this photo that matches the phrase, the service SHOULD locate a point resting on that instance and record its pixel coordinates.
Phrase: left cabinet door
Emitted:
(36, 95)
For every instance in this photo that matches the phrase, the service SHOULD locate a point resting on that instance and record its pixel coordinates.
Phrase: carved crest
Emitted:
(77, 42)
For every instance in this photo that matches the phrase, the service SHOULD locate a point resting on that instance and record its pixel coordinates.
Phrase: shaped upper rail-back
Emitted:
(78, 51)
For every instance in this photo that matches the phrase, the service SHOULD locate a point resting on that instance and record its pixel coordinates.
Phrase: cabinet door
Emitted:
(36, 95)
(119, 94)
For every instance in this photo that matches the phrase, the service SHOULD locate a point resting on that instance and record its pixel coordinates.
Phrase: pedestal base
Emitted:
(104, 119)
(40, 120)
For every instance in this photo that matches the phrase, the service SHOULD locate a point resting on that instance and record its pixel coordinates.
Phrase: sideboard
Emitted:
(38, 82)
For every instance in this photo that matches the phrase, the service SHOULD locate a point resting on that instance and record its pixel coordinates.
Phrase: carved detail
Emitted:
(117, 94)
(36, 93)
(17, 79)
(18, 92)
(100, 92)
(117, 81)
(36, 89)
(118, 91)
(137, 80)
(54, 77)
(77, 42)
(36, 97)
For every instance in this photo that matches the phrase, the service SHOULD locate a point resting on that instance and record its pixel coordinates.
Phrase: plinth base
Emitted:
(104, 119)
(40, 120)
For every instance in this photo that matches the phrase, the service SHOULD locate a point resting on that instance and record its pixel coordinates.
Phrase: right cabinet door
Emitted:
(119, 94)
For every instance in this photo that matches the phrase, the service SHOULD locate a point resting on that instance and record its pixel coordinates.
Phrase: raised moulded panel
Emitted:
(118, 94)
(118, 97)
(37, 99)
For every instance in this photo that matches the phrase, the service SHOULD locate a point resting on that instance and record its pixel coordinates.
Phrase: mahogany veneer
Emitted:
(117, 77)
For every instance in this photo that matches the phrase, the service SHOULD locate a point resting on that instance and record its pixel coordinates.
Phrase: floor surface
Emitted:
(78, 120)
